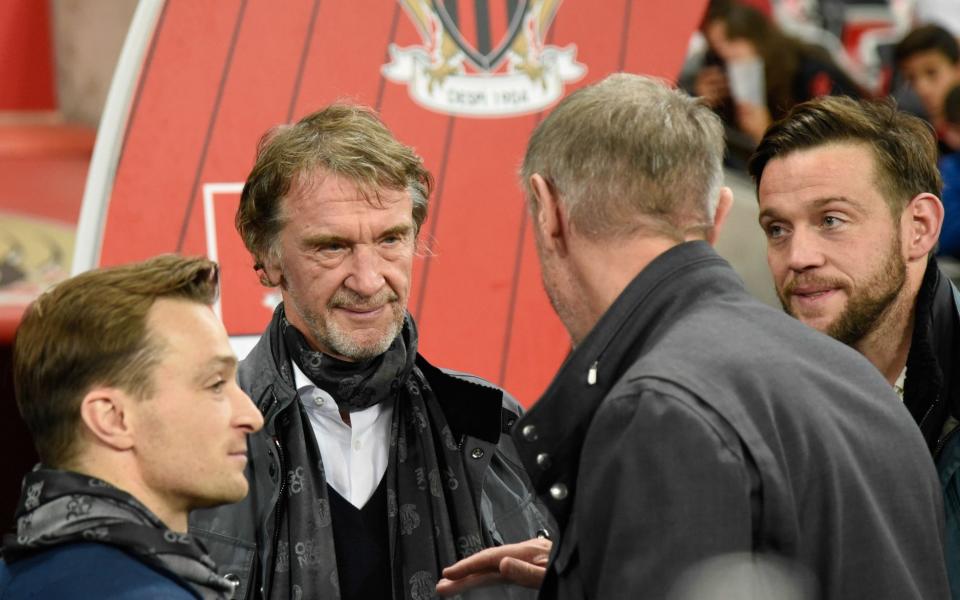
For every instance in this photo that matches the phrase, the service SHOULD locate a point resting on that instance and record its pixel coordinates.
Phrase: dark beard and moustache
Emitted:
(864, 308)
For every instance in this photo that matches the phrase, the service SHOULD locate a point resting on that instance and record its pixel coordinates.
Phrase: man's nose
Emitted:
(804, 251)
(246, 414)
(366, 271)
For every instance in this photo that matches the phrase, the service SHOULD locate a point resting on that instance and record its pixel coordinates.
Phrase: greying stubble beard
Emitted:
(866, 308)
(328, 333)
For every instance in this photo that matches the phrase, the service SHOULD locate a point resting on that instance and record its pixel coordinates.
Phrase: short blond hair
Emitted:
(91, 330)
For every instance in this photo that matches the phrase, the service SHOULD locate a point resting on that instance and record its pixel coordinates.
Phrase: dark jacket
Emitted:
(695, 422)
(240, 537)
(72, 571)
(932, 394)
(932, 386)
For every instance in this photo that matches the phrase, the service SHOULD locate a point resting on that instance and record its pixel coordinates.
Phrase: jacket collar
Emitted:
(931, 391)
(470, 406)
(552, 433)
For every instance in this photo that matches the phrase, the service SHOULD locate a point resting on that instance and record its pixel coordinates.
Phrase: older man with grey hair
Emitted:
(693, 424)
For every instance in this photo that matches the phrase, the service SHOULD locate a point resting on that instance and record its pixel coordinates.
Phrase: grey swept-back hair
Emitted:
(627, 152)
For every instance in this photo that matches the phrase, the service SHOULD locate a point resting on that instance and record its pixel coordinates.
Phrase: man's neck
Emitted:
(888, 345)
(600, 287)
(174, 518)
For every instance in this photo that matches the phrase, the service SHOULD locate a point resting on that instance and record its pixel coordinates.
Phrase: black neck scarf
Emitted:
(62, 507)
(354, 385)
(432, 516)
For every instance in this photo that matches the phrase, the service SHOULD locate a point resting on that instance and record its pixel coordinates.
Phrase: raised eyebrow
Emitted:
(821, 202)
(767, 213)
(325, 240)
(400, 230)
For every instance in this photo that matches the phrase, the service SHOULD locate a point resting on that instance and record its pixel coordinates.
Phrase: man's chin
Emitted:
(358, 345)
(229, 494)
(815, 319)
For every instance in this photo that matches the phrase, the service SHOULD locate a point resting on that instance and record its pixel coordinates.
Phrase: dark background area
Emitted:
(16, 447)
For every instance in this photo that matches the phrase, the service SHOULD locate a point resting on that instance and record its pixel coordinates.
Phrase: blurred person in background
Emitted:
(929, 59)
(745, 43)
(127, 382)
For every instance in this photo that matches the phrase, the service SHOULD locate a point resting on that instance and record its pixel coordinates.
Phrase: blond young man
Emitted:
(126, 380)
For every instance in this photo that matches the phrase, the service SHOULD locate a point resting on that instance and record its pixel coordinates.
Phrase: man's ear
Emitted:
(920, 222)
(724, 204)
(269, 270)
(549, 219)
(103, 411)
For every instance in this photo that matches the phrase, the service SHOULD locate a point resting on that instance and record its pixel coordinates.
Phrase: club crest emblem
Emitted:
(483, 58)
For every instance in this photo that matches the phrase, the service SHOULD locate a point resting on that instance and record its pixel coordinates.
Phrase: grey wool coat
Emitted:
(694, 422)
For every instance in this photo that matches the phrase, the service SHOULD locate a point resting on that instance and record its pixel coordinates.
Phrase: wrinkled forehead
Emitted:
(320, 185)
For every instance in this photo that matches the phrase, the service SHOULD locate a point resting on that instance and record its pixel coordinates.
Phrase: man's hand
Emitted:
(711, 85)
(521, 564)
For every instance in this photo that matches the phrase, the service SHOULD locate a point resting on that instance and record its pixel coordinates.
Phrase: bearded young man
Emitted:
(692, 425)
(126, 380)
(375, 470)
(849, 202)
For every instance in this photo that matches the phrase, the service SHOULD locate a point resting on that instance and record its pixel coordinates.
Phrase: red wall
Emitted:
(26, 56)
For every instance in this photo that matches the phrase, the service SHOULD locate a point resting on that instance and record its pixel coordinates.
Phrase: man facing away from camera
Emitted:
(375, 469)
(693, 424)
(126, 380)
(849, 202)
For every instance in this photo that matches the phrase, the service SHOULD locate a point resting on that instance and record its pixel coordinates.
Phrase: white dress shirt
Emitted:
(354, 456)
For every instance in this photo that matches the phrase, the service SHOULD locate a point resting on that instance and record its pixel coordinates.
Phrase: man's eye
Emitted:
(774, 231)
(219, 385)
(831, 221)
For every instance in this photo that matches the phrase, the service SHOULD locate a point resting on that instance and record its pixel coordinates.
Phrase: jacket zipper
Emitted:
(943, 442)
(277, 514)
(278, 509)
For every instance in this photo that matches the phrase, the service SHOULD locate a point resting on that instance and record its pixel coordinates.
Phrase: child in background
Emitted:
(929, 58)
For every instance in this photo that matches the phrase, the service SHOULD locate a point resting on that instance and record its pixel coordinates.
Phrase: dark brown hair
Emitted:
(928, 38)
(91, 330)
(904, 147)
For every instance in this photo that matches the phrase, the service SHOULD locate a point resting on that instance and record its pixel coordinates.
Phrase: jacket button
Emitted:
(543, 460)
(543, 534)
(529, 433)
(477, 453)
(558, 491)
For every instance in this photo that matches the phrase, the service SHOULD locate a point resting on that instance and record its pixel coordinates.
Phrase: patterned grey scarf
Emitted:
(62, 507)
(432, 517)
